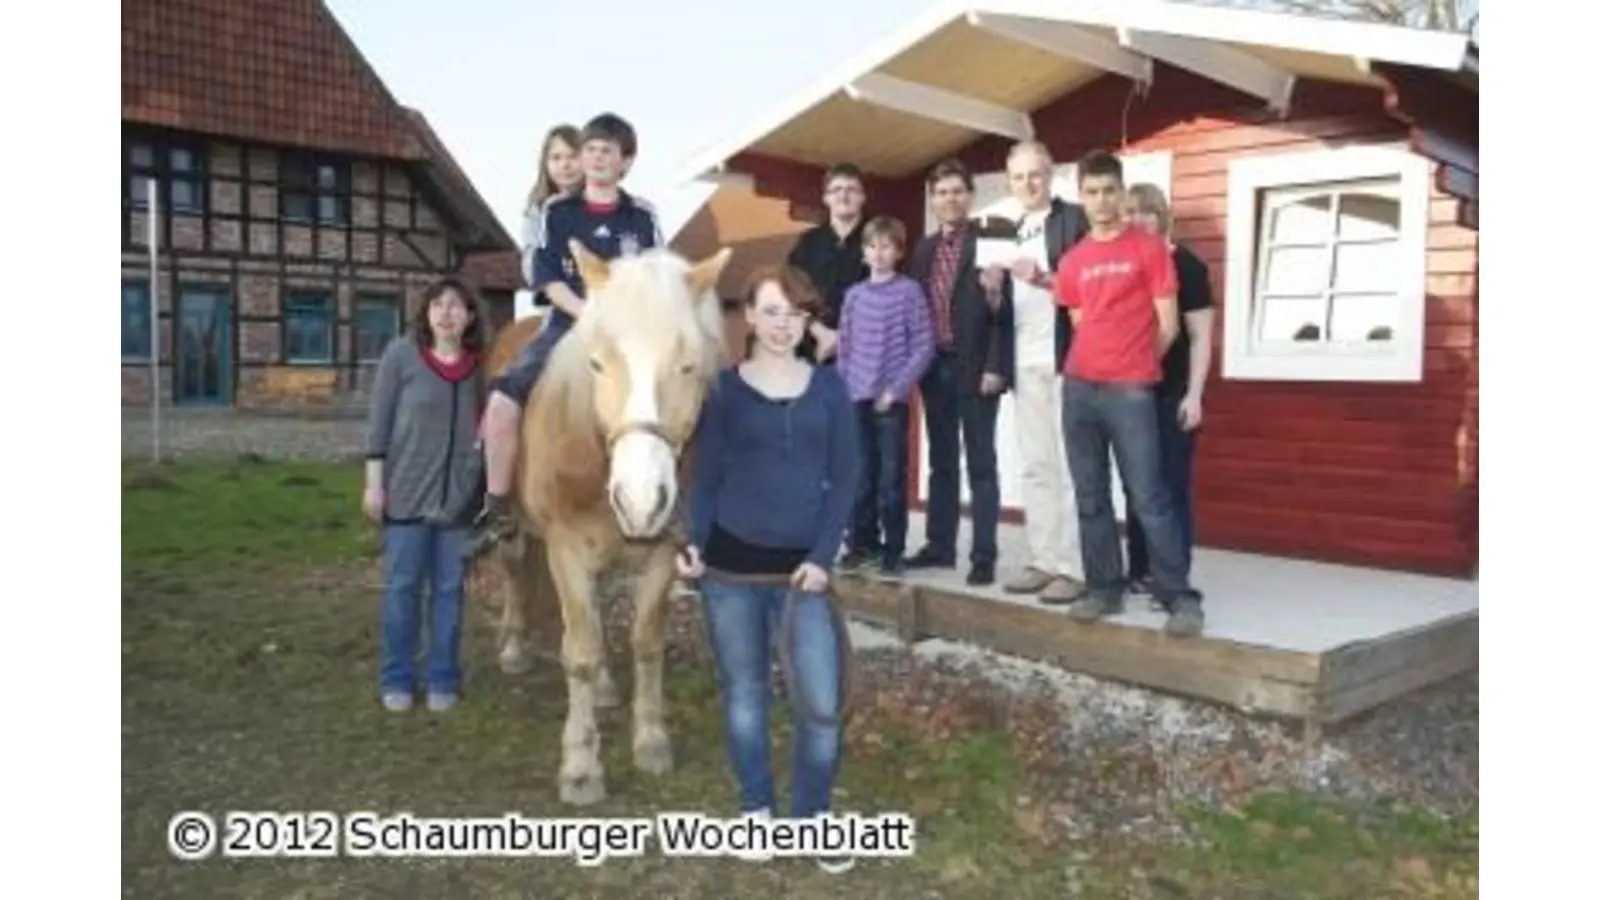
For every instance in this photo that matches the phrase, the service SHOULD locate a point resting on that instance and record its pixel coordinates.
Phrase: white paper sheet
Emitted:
(996, 252)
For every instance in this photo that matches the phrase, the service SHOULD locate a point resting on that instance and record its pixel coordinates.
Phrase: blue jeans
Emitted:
(1100, 419)
(742, 621)
(880, 516)
(415, 554)
(1177, 470)
(519, 378)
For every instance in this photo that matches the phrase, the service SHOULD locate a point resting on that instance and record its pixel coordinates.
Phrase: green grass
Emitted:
(250, 644)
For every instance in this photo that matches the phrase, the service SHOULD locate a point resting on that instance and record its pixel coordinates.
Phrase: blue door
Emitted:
(204, 375)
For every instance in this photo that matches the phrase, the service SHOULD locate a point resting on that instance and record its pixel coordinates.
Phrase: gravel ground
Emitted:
(1107, 758)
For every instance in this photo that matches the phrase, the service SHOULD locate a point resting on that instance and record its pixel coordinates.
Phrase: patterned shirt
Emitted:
(885, 338)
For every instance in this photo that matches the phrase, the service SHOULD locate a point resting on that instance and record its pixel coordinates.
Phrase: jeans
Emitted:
(519, 378)
(742, 621)
(1103, 418)
(881, 494)
(414, 554)
(960, 420)
(1177, 469)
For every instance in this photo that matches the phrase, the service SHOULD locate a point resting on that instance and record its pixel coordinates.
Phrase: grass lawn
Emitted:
(249, 631)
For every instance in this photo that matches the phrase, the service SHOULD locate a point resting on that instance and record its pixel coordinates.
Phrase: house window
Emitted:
(377, 323)
(314, 189)
(135, 320)
(308, 328)
(1327, 266)
(178, 167)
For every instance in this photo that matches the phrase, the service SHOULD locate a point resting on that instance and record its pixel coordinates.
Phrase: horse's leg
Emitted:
(582, 779)
(606, 695)
(517, 559)
(652, 749)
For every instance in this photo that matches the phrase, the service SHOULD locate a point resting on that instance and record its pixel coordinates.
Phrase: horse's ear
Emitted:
(592, 269)
(704, 274)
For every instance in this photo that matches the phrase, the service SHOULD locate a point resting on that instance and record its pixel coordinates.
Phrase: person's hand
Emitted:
(689, 565)
(990, 384)
(1026, 270)
(884, 401)
(1190, 413)
(372, 503)
(810, 577)
(827, 342)
(992, 277)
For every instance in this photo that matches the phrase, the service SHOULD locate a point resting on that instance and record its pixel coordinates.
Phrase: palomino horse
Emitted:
(604, 436)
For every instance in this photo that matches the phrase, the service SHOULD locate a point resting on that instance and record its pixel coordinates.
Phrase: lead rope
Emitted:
(786, 644)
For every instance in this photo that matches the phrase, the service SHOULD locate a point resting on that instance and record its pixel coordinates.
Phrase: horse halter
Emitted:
(653, 429)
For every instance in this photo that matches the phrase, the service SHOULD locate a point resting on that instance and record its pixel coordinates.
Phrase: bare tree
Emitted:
(1437, 15)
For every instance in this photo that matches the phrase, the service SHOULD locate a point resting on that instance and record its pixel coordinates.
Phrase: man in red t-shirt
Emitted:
(1120, 288)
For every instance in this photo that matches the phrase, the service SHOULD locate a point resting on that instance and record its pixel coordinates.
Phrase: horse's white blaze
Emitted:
(644, 485)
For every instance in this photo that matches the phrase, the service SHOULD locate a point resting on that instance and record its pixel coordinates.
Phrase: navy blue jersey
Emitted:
(622, 229)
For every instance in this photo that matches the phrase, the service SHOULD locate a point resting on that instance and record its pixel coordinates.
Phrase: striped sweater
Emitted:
(885, 338)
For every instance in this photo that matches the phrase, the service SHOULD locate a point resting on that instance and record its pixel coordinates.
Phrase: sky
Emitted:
(493, 75)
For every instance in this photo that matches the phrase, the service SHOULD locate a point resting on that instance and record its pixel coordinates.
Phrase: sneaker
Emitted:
(441, 701)
(836, 865)
(492, 525)
(764, 816)
(1062, 590)
(1185, 619)
(396, 701)
(1095, 606)
(1028, 581)
(892, 567)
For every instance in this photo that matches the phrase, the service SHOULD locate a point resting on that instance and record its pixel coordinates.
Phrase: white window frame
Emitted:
(1399, 359)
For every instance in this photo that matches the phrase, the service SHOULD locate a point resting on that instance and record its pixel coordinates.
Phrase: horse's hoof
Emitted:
(606, 695)
(582, 790)
(653, 757)
(515, 662)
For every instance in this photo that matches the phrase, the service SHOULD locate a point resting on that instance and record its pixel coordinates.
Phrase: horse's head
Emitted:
(653, 335)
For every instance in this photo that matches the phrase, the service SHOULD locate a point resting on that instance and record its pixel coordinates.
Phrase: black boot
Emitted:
(492, 525)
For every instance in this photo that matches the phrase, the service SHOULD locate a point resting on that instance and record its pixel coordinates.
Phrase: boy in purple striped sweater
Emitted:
(885, 344)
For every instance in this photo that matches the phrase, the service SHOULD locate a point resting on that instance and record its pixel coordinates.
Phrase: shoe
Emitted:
(492, 525)
(1095, 606)
(836, 865)
(1062, 590)
(761, 815)
(441, 701)
(892, 567)
(931, 557)
(1185, 618)
(1028, 581)
(396, 701)
(981, 574)
(855, 560)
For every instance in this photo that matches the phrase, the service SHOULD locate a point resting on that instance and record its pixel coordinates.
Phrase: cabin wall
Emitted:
(1380, 474)
(235, 264)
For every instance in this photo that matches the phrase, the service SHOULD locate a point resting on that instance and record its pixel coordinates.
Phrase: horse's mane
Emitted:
(644, 293)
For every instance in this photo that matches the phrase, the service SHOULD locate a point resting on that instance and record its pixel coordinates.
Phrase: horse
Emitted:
(599, 474)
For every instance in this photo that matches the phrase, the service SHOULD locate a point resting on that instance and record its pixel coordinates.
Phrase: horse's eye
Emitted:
(595, 365)
(686, 369)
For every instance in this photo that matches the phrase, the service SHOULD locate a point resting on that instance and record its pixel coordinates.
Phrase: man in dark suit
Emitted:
(962, 388)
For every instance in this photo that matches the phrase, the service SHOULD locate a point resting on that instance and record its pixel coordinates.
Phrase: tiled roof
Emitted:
(276, 71)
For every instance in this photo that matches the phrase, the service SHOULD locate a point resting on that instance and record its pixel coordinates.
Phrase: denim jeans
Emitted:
(1104, 418)
(742, 621)
(519, 378)
(880, 516)
(415, 554)
(1177, 469)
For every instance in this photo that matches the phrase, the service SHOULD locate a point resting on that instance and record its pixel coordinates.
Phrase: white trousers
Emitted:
(1049, 504)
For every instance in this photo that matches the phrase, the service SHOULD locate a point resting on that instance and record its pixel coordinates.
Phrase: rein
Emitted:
(653, 429)
(786, 646)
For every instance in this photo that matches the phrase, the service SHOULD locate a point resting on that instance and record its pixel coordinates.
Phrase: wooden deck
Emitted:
(1285, 638)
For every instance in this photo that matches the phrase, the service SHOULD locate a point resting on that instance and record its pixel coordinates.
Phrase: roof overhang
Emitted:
(971, 68)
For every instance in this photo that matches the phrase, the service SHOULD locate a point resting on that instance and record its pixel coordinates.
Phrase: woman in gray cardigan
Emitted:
(424, 480)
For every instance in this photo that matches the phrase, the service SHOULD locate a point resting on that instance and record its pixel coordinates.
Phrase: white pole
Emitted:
(154, 241)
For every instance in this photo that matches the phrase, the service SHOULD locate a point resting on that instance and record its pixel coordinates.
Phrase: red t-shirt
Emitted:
(1115, 283)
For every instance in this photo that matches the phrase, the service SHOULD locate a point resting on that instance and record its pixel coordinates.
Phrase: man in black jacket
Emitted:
(830, 255)
(962, 388)
(1047, 228)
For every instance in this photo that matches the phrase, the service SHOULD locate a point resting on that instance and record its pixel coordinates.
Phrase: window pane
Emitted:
(1283, 319)
(1305, 221)
(1367, 267)
(139, 189)
(141, 156)
(1296, 270)
(298, 207)
(327, 177)
(185, 195)
(1368, 216)
(135, 321)
(182, 160)
(329, 209)
(1359, 318)
(377, 322)
(309, 329)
